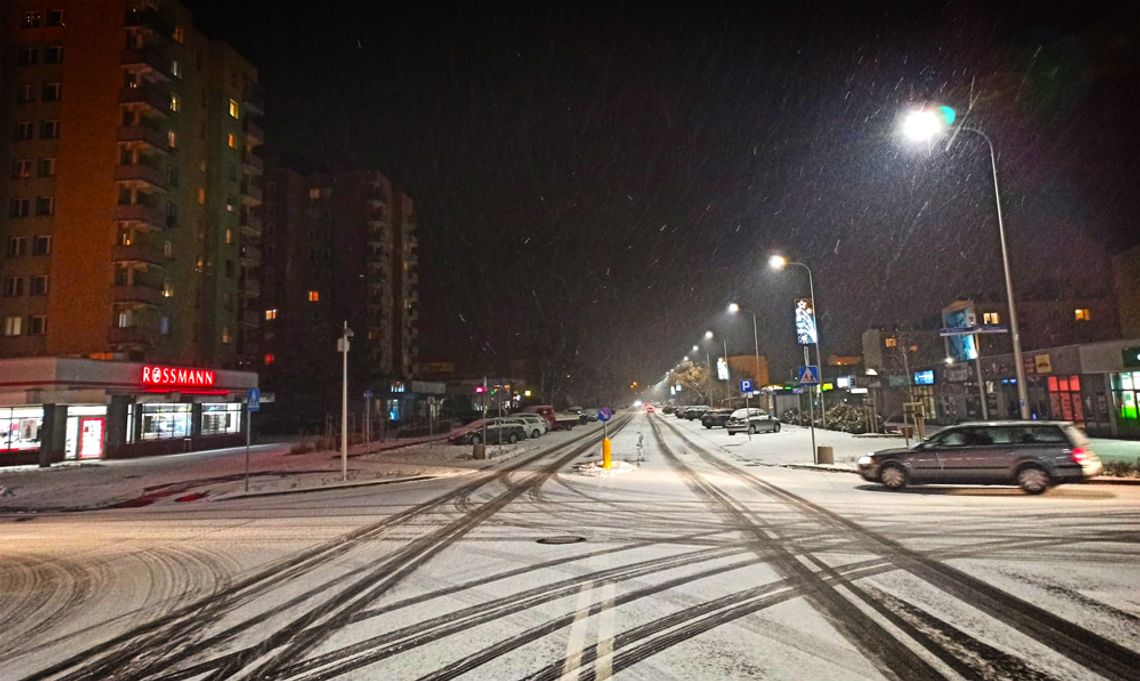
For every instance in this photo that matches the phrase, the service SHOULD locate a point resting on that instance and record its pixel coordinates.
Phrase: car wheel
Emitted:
(708, 427)
(731, 433)
(1033, 479)
(893, 477)
(535, 434)
(776, 427)
(513, 438)
(476, 440)
(751, 430)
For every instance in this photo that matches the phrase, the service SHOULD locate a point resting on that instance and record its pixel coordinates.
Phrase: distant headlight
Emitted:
(866, 460)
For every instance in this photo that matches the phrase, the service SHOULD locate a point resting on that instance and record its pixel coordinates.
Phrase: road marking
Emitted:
(604, 667)
(576, 638)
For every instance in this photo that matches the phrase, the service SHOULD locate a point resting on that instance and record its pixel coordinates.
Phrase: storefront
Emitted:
(54, 409)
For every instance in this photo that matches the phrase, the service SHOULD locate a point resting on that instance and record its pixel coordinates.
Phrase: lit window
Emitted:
(314, 194)
(13, 326)
(175, 103)
(226, 335)
(179, 34)
(229, 235)
(164, 326)
(1082, 314)
(31, 20)
(314, 296)
(167, 249)
(167, 289)
(231, 140)
(991, 318)
(271, 314)
(233, 108)
(172, 138)
(270, 358)
(175, 68)
(891, 342)
(201, 196)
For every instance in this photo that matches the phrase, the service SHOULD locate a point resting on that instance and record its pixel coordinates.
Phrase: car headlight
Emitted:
(866, 460)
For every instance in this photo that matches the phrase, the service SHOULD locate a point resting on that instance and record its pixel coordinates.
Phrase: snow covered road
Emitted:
(700, 564)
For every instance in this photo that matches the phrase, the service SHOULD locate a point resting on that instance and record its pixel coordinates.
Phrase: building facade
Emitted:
(339, 247)
(130, 231)
(132, 192)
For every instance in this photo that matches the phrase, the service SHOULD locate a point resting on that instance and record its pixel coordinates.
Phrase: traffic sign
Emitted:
(807, 375)
(746, 385)
(604, 414)
(253, 401)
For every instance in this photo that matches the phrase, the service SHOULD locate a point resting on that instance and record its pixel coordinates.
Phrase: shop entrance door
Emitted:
(91, 437)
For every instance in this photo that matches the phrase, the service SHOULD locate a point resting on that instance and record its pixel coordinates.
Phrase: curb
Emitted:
(302, 490)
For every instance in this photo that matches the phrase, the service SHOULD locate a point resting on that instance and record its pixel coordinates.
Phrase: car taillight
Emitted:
(1080, 455)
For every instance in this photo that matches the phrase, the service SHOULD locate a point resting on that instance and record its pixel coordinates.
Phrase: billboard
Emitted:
(924, 377)
(721, 369)
(806, 333)
(961, 315)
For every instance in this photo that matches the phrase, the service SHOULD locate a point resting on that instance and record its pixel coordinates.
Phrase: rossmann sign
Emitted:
(178, 377)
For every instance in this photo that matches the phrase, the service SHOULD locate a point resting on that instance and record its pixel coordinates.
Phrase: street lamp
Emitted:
(733, 308)
(923, 126)
(779, 262)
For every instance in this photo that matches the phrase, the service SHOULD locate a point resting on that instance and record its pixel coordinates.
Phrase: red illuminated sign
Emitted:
(178, 377)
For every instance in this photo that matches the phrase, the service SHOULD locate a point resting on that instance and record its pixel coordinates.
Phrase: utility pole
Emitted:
(342, 347)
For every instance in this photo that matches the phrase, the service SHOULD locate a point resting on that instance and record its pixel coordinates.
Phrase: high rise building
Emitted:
(131, 228)
(339, 247)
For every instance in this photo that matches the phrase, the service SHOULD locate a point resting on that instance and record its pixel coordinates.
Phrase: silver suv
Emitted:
(1030, 454)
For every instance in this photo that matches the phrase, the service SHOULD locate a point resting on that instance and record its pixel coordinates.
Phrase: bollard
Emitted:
(607, 453)
(479, 451)
(825, 454)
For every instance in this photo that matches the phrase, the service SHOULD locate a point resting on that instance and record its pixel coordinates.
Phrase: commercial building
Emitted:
(130, 227)
(339, 247)
(1126, 274)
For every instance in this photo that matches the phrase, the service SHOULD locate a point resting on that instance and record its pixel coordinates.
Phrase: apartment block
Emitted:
(339, 247)
(132, 191)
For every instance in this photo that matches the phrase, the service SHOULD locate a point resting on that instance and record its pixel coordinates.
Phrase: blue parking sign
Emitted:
(745, 385)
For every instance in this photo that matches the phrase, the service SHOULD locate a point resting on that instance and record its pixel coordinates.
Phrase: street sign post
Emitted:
(746, 388)
(252, 404)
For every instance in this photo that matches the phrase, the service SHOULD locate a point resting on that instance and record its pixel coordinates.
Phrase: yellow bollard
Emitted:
(607, 453)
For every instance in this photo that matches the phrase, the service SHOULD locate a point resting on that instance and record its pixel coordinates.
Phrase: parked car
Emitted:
(555, 420)
(535, 424)
(752, 421)
(590, 414)
(695, 412)
(715, 418)
(1030, 454)
(497, 431)
(668, 409)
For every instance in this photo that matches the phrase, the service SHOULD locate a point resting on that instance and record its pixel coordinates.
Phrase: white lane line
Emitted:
(604, 667)
(576, 638)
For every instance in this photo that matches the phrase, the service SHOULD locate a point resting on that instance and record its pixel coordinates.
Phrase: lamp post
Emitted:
(708, 363)
(734, 309)
(922, 126)
(342, 347)
(779, 262)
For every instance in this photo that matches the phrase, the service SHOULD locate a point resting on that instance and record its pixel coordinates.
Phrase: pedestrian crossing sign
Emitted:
(807, 375)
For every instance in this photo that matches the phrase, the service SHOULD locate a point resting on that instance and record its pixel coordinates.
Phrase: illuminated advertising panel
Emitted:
(177, 377)
(806, 333)
(961, 315)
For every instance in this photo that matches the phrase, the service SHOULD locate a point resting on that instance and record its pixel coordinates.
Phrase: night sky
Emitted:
(594, 184)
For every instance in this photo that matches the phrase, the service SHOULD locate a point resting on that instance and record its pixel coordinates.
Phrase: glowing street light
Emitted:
(924, 125)
(777, 262)
(708, 335)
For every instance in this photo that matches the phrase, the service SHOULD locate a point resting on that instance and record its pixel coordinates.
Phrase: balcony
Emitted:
(141, 174)
(138, 254)
(251, 193)
(251, 288)
(249, 222)
(139, 294)
(250, 254)
(135, 335)
(254, 99)
(253, 131)
(147, 60)
(151, 217)
(148, 20)
(142, 135)
(253, 165)
(154, 98)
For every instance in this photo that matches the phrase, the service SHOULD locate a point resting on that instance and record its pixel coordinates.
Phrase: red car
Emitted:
(649, 409)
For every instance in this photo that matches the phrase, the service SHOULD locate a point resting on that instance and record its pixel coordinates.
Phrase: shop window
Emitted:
(1082, 314)
(165, 421)
(221, 418)
(20, 428)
